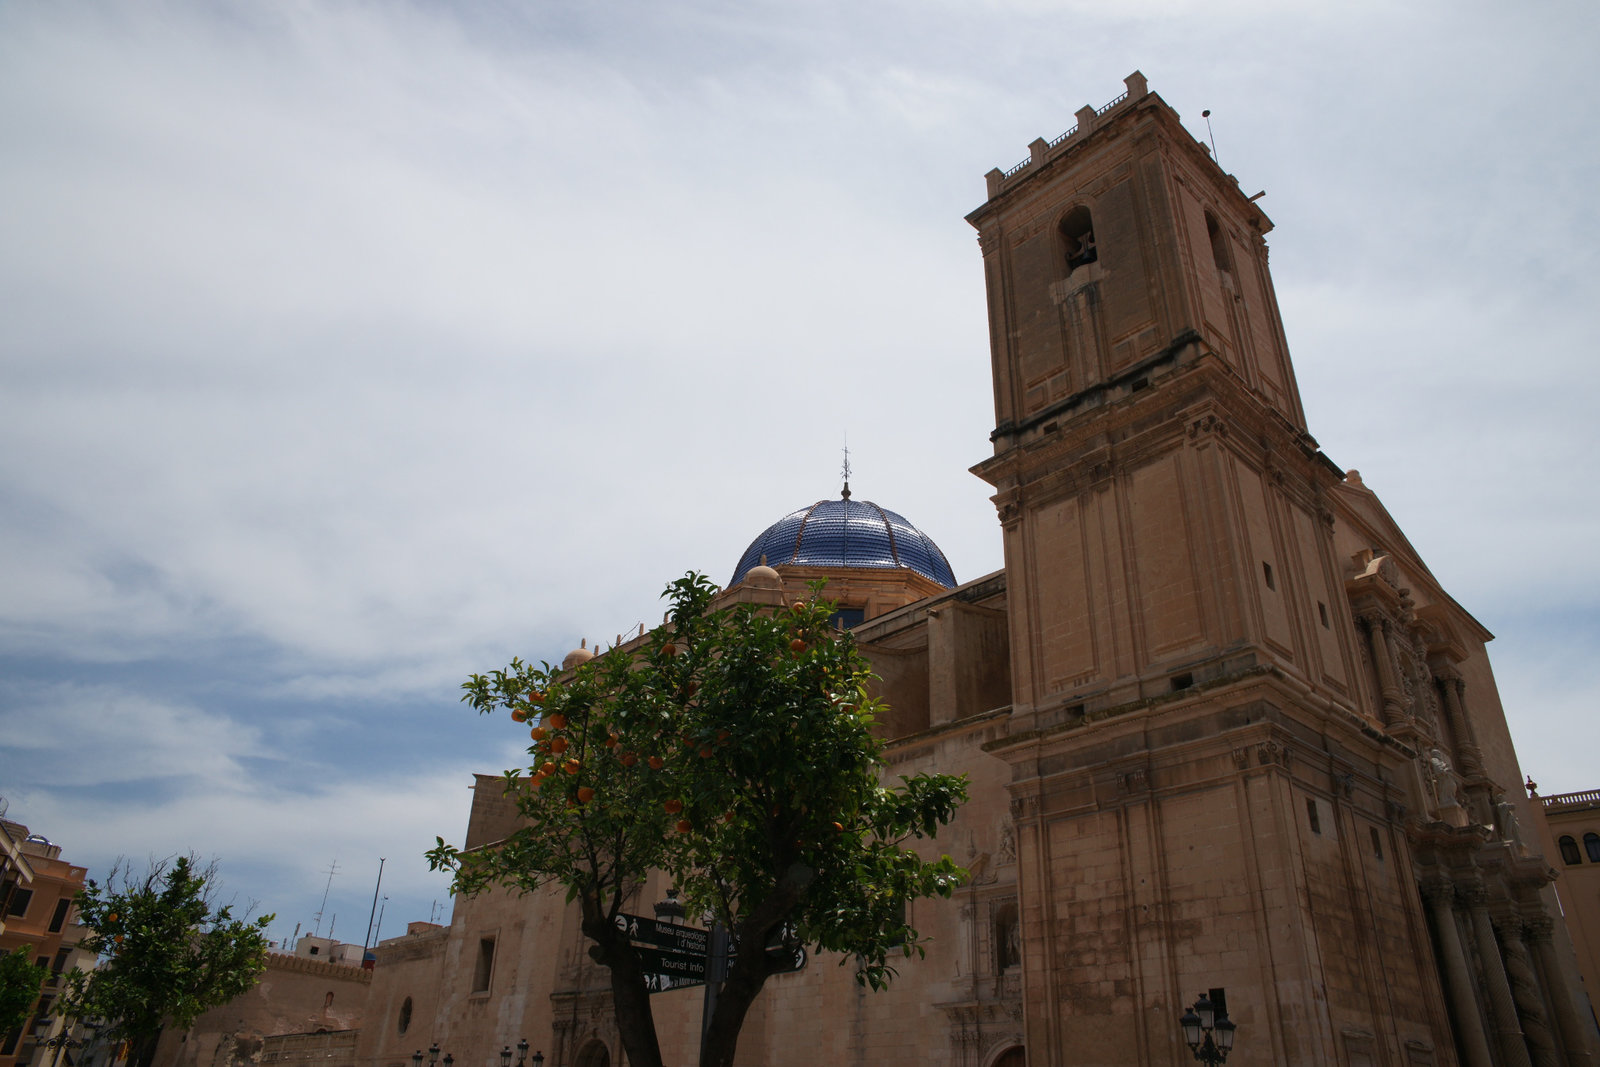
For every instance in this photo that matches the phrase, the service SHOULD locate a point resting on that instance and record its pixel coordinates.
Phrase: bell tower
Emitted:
(1159, 493)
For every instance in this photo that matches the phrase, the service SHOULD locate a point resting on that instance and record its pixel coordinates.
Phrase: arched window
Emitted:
(594, 1054)
(1569, 851)
(405, 1015)
(1220, 255)
(1591, 845)
(1077, 238)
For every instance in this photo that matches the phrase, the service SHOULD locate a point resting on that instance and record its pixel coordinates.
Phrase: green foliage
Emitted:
(165, 954)
(20, 982)
(733, 749)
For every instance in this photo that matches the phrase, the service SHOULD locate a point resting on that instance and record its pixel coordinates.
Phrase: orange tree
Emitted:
(732, 749)
(165, 954)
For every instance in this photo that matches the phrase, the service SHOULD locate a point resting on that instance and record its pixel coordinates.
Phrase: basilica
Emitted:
(1227, 738)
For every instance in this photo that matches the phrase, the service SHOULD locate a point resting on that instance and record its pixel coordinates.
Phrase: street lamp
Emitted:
(448, 1059)
(505, 1056)
(416, 1058)
(433, 1054)
(671, 909)
(522, 1053)
(538, 1059)
(1208, 1032)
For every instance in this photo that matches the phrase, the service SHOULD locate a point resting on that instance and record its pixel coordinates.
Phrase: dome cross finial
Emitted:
(845, 470)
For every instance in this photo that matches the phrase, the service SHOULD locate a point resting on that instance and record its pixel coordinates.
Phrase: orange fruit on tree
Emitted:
(518, 715)
(585, 794)
(547, 768)
(723, 736)
(571, 766)
(656, 763)
(538, 733)
(706, 751)
(728, 817)
(797, 646)
(670, 649)
(839, 826)
(684, 826)
(673, 806)
(611, 740)
(629, 759)
(557, 721)
(535, 697)
(558, 745)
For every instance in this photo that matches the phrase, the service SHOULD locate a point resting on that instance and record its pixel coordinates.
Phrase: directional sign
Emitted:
(672, 964)
(690, 939)
(661, 983)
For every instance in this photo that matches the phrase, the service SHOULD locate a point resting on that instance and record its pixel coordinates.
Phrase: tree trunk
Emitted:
(630, 1000)
(142, 1049)
(751, 968)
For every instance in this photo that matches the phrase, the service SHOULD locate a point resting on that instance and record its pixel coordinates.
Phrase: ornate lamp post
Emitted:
(1208, 1034)
(522, 1053)
(416, 1058)
(433, 1054)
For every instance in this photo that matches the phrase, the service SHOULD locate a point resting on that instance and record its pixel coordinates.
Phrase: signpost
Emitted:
(675, 956)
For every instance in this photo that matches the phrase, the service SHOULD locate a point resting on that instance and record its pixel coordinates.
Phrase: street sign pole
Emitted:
(716, 972)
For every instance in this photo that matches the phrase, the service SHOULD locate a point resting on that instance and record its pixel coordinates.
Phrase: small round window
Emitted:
(405, 1015)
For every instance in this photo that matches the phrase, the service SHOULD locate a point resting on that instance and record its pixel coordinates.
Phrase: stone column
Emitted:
(1440, 895)
(1394, 705)
(1574, 1034)
(1453, 688)
(1525, 992)
(1502, 1008)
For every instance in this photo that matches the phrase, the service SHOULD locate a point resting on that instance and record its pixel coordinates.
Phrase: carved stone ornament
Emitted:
(1208, 424)
(1007, 853)
(1270, 753)
(1241, 758)
(1024, 807)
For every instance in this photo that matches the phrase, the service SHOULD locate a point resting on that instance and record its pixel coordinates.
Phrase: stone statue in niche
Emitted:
(1442, 782)
(1509, 829)
(1007, 852)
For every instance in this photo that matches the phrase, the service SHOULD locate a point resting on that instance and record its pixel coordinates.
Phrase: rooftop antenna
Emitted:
(1206, 114)
(368, 942)
(379, 930)
(845, 470)
(317, 924)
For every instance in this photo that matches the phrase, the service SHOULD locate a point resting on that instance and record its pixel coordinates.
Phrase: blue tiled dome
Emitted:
(846, 533)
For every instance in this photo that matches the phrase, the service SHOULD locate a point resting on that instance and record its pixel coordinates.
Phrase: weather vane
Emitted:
(845, 470)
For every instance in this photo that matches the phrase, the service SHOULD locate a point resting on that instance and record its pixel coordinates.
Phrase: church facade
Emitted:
(1224, 730)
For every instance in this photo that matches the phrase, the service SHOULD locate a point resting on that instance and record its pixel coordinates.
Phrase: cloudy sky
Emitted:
(348, 348)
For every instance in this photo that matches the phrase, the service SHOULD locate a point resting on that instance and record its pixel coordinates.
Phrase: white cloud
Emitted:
(386, 343)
